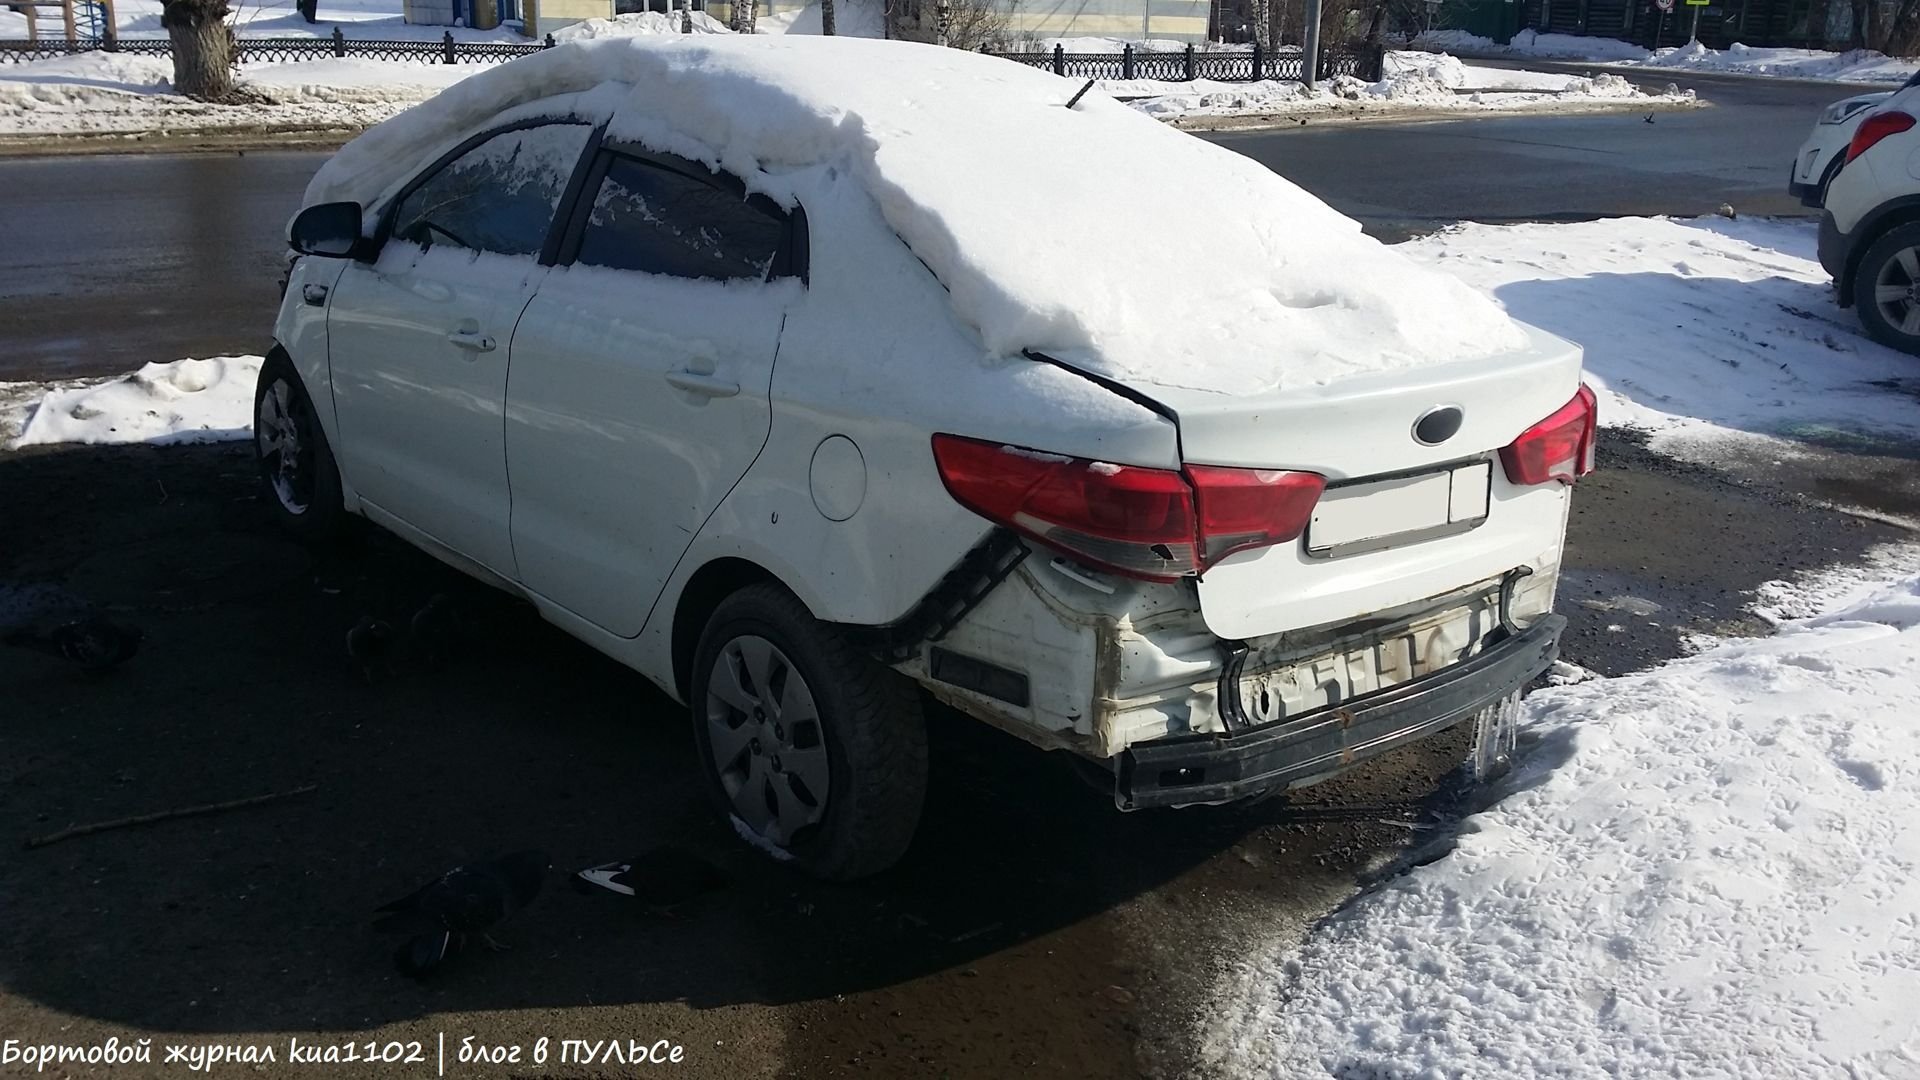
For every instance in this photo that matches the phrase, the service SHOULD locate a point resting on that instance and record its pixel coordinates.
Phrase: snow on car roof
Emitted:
(1095, 234)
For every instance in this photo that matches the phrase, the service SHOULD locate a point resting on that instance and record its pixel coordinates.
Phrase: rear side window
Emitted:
(652, 219)
(499, 196)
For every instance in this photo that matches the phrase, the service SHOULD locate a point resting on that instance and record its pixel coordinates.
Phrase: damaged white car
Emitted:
(807, 375)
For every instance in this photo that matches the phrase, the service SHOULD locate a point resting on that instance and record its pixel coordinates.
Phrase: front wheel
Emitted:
(298, 476)
(1886, 289)
(816, 751)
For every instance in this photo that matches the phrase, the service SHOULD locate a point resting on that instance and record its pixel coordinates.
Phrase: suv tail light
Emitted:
(1875, 127)
(1557, 448)
(1156, 524)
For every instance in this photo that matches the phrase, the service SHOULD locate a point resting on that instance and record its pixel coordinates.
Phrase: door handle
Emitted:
(706, 385)
(470, 340)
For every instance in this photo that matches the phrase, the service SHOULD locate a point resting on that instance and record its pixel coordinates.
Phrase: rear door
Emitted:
(638, 394)
(419, 340)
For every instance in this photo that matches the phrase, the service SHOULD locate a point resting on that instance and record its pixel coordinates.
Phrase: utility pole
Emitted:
(1310, 44)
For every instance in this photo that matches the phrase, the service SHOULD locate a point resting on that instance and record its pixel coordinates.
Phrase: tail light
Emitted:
(1875, 127)
(1156, 524)
(1557, 448)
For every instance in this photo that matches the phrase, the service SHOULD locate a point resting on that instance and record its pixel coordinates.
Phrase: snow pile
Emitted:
(851, 18)
(182, 402)
(1281, 292)
(638, 22)
(1692, 328)
(1859, 65)
(1709, 869)
(1414, 81)
(117, 92)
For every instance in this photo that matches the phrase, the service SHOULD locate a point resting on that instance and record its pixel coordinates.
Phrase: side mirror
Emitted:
(330, 230)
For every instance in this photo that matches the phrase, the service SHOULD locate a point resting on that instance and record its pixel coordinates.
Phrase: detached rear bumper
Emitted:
(1833, 247)
(1221, 768)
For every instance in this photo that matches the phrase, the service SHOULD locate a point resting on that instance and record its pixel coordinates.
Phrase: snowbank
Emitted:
(1422, 81)
(970, 160)
(638, 23)
(1692, 328)
(116, 92)
(1860, 65)
(1706, 870)
(851, 18)
(185, 401)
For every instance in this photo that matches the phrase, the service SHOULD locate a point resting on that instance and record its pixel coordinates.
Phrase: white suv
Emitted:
(806, 376)
(1870, 230)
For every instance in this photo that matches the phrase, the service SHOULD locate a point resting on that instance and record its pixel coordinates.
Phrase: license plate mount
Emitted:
(1373, 515)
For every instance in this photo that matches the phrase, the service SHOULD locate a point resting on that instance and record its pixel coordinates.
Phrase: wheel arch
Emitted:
(1884, 218)
(704, 591)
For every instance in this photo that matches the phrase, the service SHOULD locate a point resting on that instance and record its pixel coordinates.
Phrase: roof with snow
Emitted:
(1095, 233)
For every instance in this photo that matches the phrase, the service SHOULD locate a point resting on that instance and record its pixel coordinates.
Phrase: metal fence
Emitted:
(271, 50)
(1238, 65)
(1246, 65)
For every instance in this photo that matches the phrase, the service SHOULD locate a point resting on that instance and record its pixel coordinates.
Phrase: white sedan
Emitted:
(817, 377)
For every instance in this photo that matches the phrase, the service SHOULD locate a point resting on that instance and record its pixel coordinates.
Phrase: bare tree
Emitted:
(826, 17)
(741, 16)
(977, 24)
(203, 48)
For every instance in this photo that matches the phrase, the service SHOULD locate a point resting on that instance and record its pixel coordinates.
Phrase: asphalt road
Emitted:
(115, 261)
(1033, 931)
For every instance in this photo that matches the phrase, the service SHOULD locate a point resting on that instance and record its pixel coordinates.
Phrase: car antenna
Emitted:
(1075, 99)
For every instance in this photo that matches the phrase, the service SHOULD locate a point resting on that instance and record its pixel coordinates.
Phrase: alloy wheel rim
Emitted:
(285, 454)
(765, 739)
(1896, 291)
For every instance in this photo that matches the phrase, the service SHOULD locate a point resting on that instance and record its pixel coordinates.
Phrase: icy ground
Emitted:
(1706, 870)
(1860, 65)
(1414, 81)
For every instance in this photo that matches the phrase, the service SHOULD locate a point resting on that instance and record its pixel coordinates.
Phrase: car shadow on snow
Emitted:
(257, 920)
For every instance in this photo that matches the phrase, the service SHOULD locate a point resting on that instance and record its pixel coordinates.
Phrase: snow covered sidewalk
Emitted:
(1706, 870)
(1415, 82)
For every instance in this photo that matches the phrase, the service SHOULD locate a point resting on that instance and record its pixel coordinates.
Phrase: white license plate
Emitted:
(1374, 514)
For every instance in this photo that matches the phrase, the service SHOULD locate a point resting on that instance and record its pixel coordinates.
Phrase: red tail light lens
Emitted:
(1875, 127)
(1557, 448)
(1156, 524)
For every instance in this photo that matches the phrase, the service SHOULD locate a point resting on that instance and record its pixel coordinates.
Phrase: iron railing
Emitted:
(275, 50)
(1222, 65)
(1363, 62)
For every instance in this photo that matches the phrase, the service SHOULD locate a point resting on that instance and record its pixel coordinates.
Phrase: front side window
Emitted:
(653, 219)
(499, 196)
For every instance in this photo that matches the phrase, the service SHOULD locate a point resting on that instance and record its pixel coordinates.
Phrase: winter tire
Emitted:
(298, 477)
(1886, 289)
(816, 751)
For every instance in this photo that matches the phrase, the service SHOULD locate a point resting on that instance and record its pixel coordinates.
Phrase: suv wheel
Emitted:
(1886, 289)
(297, 473)
(816, 751)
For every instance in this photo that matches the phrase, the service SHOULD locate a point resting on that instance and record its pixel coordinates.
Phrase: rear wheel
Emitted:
(1886, 289)
(298, 477)
(816, 751)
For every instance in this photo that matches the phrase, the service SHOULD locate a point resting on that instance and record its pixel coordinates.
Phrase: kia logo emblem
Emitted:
(1437, 425)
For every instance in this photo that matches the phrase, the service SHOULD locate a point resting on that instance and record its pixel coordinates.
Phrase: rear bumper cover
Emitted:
(1221, 768)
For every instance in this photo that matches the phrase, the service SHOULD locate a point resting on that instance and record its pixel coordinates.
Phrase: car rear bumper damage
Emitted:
(1197, 769)
(1833, 251)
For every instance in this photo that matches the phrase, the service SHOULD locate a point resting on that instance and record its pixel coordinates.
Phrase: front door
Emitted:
(640, 377)
(420, 339)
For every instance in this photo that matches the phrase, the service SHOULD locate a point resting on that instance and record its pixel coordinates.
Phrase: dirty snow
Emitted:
(1694, 330)
(1708, 869)
(930, 133)
(186, 401)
